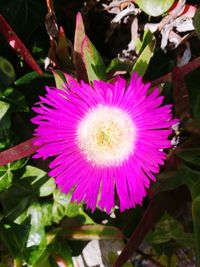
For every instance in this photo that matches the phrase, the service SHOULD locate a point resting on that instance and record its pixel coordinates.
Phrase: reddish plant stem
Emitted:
(166, 78)
(181, 96)
(184, 70)
(18, 45)
(166, 201)
(20, 151)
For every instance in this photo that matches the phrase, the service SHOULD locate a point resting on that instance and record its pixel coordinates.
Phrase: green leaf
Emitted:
(47, 188)
(196, 22)
(142, 62)
(18, 197)
(116, 65)
(196, 222)
(63, 250)
(21, 14)
(5, 180)
(62, 206)
(63, 50)
(155, 7)
(79, 36)
(33, 171)
(146, 40)
(183, 175)
(15, 236)
(191, 155)
(34, 255)
(5, 133)
(94, 64)
(15, 98)
(168, 229)
(3, 108)
(59, 79)
(7, 73)
(15, 165)
(18, 164)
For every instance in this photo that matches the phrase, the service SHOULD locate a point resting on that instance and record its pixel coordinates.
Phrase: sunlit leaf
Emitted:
(62, 206)
(155, 7)
(78, 41)
(142, 62)
(15, 98)
(4, 106)
(93, 62)
(7, 72)
(47, 188)
(5, 180)
(117, 65)
(59, 79)
(23, 192)
(63, 50)
(88, 232)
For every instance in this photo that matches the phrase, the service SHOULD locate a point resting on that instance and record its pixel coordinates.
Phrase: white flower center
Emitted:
(106, 135)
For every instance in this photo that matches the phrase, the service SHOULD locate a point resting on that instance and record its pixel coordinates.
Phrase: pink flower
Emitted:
(103, 137)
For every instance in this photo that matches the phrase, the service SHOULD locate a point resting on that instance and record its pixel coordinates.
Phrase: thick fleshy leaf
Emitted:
(88, 232)
(63, 50)
(155, 8)
(18, 45)
(117, 65)
(7, 72)
(81, 72)
(143, 60)
(94, 64)
(60, 79)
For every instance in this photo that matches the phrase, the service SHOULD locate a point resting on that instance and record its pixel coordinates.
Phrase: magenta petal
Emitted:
(59, 115)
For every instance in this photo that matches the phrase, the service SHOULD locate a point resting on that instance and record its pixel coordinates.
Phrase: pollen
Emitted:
(106, 136)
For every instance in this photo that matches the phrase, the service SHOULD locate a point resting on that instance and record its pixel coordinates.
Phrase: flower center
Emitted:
(106, 135)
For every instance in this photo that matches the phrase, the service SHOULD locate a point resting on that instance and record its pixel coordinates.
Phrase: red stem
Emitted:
(18, 45)
(22, 150)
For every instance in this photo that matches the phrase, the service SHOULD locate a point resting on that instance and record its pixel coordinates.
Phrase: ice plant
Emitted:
(103, 137)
